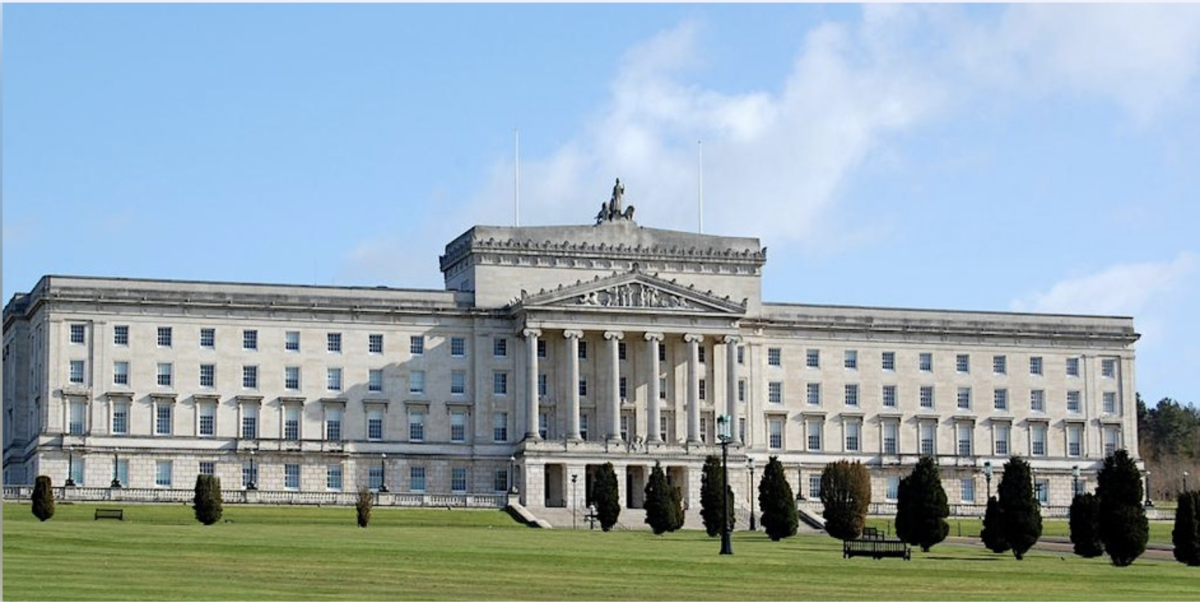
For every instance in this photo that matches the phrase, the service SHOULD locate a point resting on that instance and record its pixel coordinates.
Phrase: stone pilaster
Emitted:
(652, 404)
(573, 338)
(614, 383)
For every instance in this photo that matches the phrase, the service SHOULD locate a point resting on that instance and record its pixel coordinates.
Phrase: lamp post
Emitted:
(987, 476)
(750, 491)
(724, 436)
(253, 473)
(1149, 503)
(383, 472)
(70, 467)
(512, 476)
(574, 477)
(1075, 474)
(116, 481)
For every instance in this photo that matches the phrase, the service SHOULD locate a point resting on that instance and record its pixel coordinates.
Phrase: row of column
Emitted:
(613, 407)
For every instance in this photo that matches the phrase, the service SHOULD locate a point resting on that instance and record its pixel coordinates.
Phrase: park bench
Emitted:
(871, 534)
(876, 548)
(118, 514)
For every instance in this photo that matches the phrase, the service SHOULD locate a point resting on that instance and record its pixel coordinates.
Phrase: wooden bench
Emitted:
(876, 548)
(871, 534)
(118, 514)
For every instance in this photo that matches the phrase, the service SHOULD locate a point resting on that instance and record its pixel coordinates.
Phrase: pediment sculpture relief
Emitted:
(632, 295)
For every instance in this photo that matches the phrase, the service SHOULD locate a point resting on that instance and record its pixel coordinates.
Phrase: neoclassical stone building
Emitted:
(552, 350)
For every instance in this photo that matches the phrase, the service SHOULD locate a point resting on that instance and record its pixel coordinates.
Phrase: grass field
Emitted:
(299, 554)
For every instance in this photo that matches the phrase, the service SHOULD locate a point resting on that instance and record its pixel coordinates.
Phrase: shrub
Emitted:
(846, 495)
(710, 495)
(921, 507)
(1186, 534)
(1085, 526)
(659, 503)
(776, 502)
(207, 502)
(43, 498)
(606, 497)
(363, 506)
(993, 528)
(1123, 526)
(1020, 514)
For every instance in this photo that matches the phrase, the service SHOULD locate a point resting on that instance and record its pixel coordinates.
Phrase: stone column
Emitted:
(652, 418)
(573, 338)
(531, 389)
(693, 388)
(731, 383)
(614, 375)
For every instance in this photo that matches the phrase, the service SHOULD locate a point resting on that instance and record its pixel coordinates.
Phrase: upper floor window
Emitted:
(889, 396)
(814, 393)
(416, 382)
(375, 343)
(500, 383)
(76, 371)
(416, 345)
(775, 392)
(121, 372)
(1000, 365)
(812, 359)
(926, 396)
(851, 359)
(888, 362)
(962, 363)
(458, 347)
(500, 347)
(375, 380)
(208, 338)
(250, 339)
(250, 377)
(291, 341)
(925, 362)
(851, 394)
(583, 350)
(78, 333)
(1072, 367)
(1073, 401)
(121, 335)
(1108, 368)
(775, 356)
(964, 398)
(333, 379)
(1035, 365)
(164, 374)
(1000, 399)
(164, 337)
(458, 383)
(333, 342)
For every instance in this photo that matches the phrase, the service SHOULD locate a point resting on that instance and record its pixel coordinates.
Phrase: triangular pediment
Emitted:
(635, 291)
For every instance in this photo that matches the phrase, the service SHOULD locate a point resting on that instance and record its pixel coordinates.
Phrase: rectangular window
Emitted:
(964, 398)
(1042, 488)
(416, 426)
(701, 355)
(500, 480)
(249, 474)
(544, 425)
(1072, 367)
(291, 423)
(500, 427)
(458, 426)
(250, 377)
(704, 430)
(1037, 439)
(1000, 398)
(583, 387)
(662, 388)
(1035, 365)
(662, 353)
(416, 382)
(928, 432)
(775, 392)
(1002, 436)
(249, 339)
(1108, 368)
(1037, 400)
(291, 341)
(775, 356)
(123, 471)
(333, 342)
(999, 365)
(416, 345)
(162, 474)
(458, 347)
(500, 347)
(851, 361)
(375, 424)
(543, 384)
(164, 337)
(77, 333)
(375, 343)
(965, 439)
(250, 421)
(775, 433)
(925, 362)
(812, 359)
(703, 393)
(458, 383)
(583, 350)
(814, 487)
(208, 420)
(208, 338)
(625, 427)
(888, 362)
(623, 388)
(375, 380)
(1074, 440)
(416, 479)
(1073, 401)
(458, 480)
(291, 377)
(333, 477)
(741, 354)
(500, 383)
(541, 351)
(120, 418)
(889, 396)
(78, 417)
(76, 372)
(814, 435)
(926, 396)
(333, 379)
(374, 478)
(583, 426)
(208, 375)
(333, 424)
(121, 335)
(291, 476)
(164, 374)
(621, 350)
(853, 436)
(162, 419)
(1110, 402)
(851, 394)
(814, 394)
(891, 437)
(891, 490)
(121, 373)
(1112, 439)
(967, 487)
(741, 391)
(208, 468)
(962, 363)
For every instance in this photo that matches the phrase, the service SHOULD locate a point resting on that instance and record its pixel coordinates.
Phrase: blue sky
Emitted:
(1025, 157)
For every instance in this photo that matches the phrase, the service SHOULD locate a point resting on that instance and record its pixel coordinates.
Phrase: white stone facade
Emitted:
(553, 351)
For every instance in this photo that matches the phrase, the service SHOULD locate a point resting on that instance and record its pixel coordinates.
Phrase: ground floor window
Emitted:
(162, 474)
(333, 477)
(458, 480)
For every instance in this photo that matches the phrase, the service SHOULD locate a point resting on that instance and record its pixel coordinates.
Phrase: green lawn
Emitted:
(296, 554)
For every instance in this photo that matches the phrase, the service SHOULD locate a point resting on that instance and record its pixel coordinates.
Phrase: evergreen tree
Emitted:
(605, 496)
(362, 507)
(207, 503)
(676, 509)
(1085, 525)
(1020, 514)
(1123, 526)
(776, 502)
(1186, 534)
(659, 501)
(993, 528)
(846, 495)
(921, 507)
(710, 495)
(43, 498)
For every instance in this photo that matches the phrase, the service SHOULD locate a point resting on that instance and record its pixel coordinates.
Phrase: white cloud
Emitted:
(1122, 290)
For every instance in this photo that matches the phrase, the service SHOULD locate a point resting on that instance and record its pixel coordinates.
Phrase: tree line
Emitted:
(1169, 444)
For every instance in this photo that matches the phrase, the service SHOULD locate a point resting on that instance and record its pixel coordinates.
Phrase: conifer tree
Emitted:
(43, 498)
(846, 496)
(921, 507)
(207, 503)
(776, 502)
(993, 528)
(1020, 514)
(605, 496)
(362, 507)
(659, 501)
(710, 495)
(676, 508)
(1123, 526)
(1186, 534)
(1085, 525)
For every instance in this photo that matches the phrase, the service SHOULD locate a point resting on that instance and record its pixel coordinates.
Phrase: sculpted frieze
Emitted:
(632, 295)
